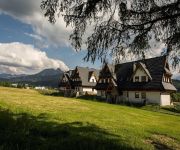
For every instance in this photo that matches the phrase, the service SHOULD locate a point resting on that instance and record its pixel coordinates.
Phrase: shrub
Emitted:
(177, 106)
(175, 97)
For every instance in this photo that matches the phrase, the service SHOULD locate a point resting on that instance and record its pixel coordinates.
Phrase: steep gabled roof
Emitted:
(66, 75)
(107, 74)
(111, 69)
(84, 75)
(156, 69)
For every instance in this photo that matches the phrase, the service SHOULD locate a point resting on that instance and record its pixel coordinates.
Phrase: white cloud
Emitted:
(20, 58)
(176, 76)
(29, 12)
(37, 37)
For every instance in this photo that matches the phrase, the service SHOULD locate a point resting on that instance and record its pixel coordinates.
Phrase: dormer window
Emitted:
(136, 78)
(143, 78)
(93, 80)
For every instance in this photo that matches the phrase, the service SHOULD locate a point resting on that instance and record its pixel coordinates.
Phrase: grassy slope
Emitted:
(36, 121)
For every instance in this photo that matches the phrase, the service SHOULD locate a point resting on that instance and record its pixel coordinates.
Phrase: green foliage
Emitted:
(120, 27)
(175, 97)
(177, 106)
(51, 92)
(177, 84)
(5, 84)
(9, 84)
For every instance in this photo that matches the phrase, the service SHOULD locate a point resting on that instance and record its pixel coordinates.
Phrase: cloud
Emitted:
(176, 76)
(29, 12)
(36, 37)
(18, 58)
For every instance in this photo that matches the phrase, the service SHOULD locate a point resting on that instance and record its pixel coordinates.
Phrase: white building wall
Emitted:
(132, 97)
(151, 97)
(165, 99)
(98, 93)
(101, 93)
(62, 88)
(86, 89)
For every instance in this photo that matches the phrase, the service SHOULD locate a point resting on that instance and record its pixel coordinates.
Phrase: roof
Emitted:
(155, 67)
(112, 70)
(110, 73)
(169, 86)
(85, 73)
(68, 79)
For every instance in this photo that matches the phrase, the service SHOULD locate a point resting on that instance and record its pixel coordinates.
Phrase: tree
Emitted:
(120, 25)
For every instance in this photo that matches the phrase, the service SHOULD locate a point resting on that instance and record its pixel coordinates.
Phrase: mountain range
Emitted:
(47, 77)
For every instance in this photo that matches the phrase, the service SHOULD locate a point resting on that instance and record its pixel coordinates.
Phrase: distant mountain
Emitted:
(47, 77)
(177, 84)
(9, 76)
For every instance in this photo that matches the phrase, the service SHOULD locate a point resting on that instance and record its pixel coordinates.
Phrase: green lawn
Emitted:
(30, 120)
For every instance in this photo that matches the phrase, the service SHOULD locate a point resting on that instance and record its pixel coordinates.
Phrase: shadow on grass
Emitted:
(163, 142)
(23, 131)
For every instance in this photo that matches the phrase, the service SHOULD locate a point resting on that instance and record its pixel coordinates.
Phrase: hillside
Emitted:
(47, 77)
(30, 120)
(177, 84)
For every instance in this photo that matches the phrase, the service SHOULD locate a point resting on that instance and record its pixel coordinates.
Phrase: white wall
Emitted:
(165, 99)
(152, 97)
(140, 72)
(98, 93)
(62, 88)
(101, 93)
(86, 89)
(132, 97)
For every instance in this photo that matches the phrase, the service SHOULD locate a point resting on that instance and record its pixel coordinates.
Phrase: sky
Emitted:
(29, 43)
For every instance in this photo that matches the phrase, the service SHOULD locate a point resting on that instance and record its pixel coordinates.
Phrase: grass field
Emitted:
(30, 120)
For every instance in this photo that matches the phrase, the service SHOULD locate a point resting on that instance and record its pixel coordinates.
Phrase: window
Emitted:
(136, 78)
(143, 78)
(136, 94)
(102, 80)
(167, 79)
(106, 80)
(127, 94)
(143, 95)
(93, 80)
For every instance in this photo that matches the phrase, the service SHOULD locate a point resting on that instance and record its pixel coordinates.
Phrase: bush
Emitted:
(175, 97)
(177, 106)
(5, 84)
